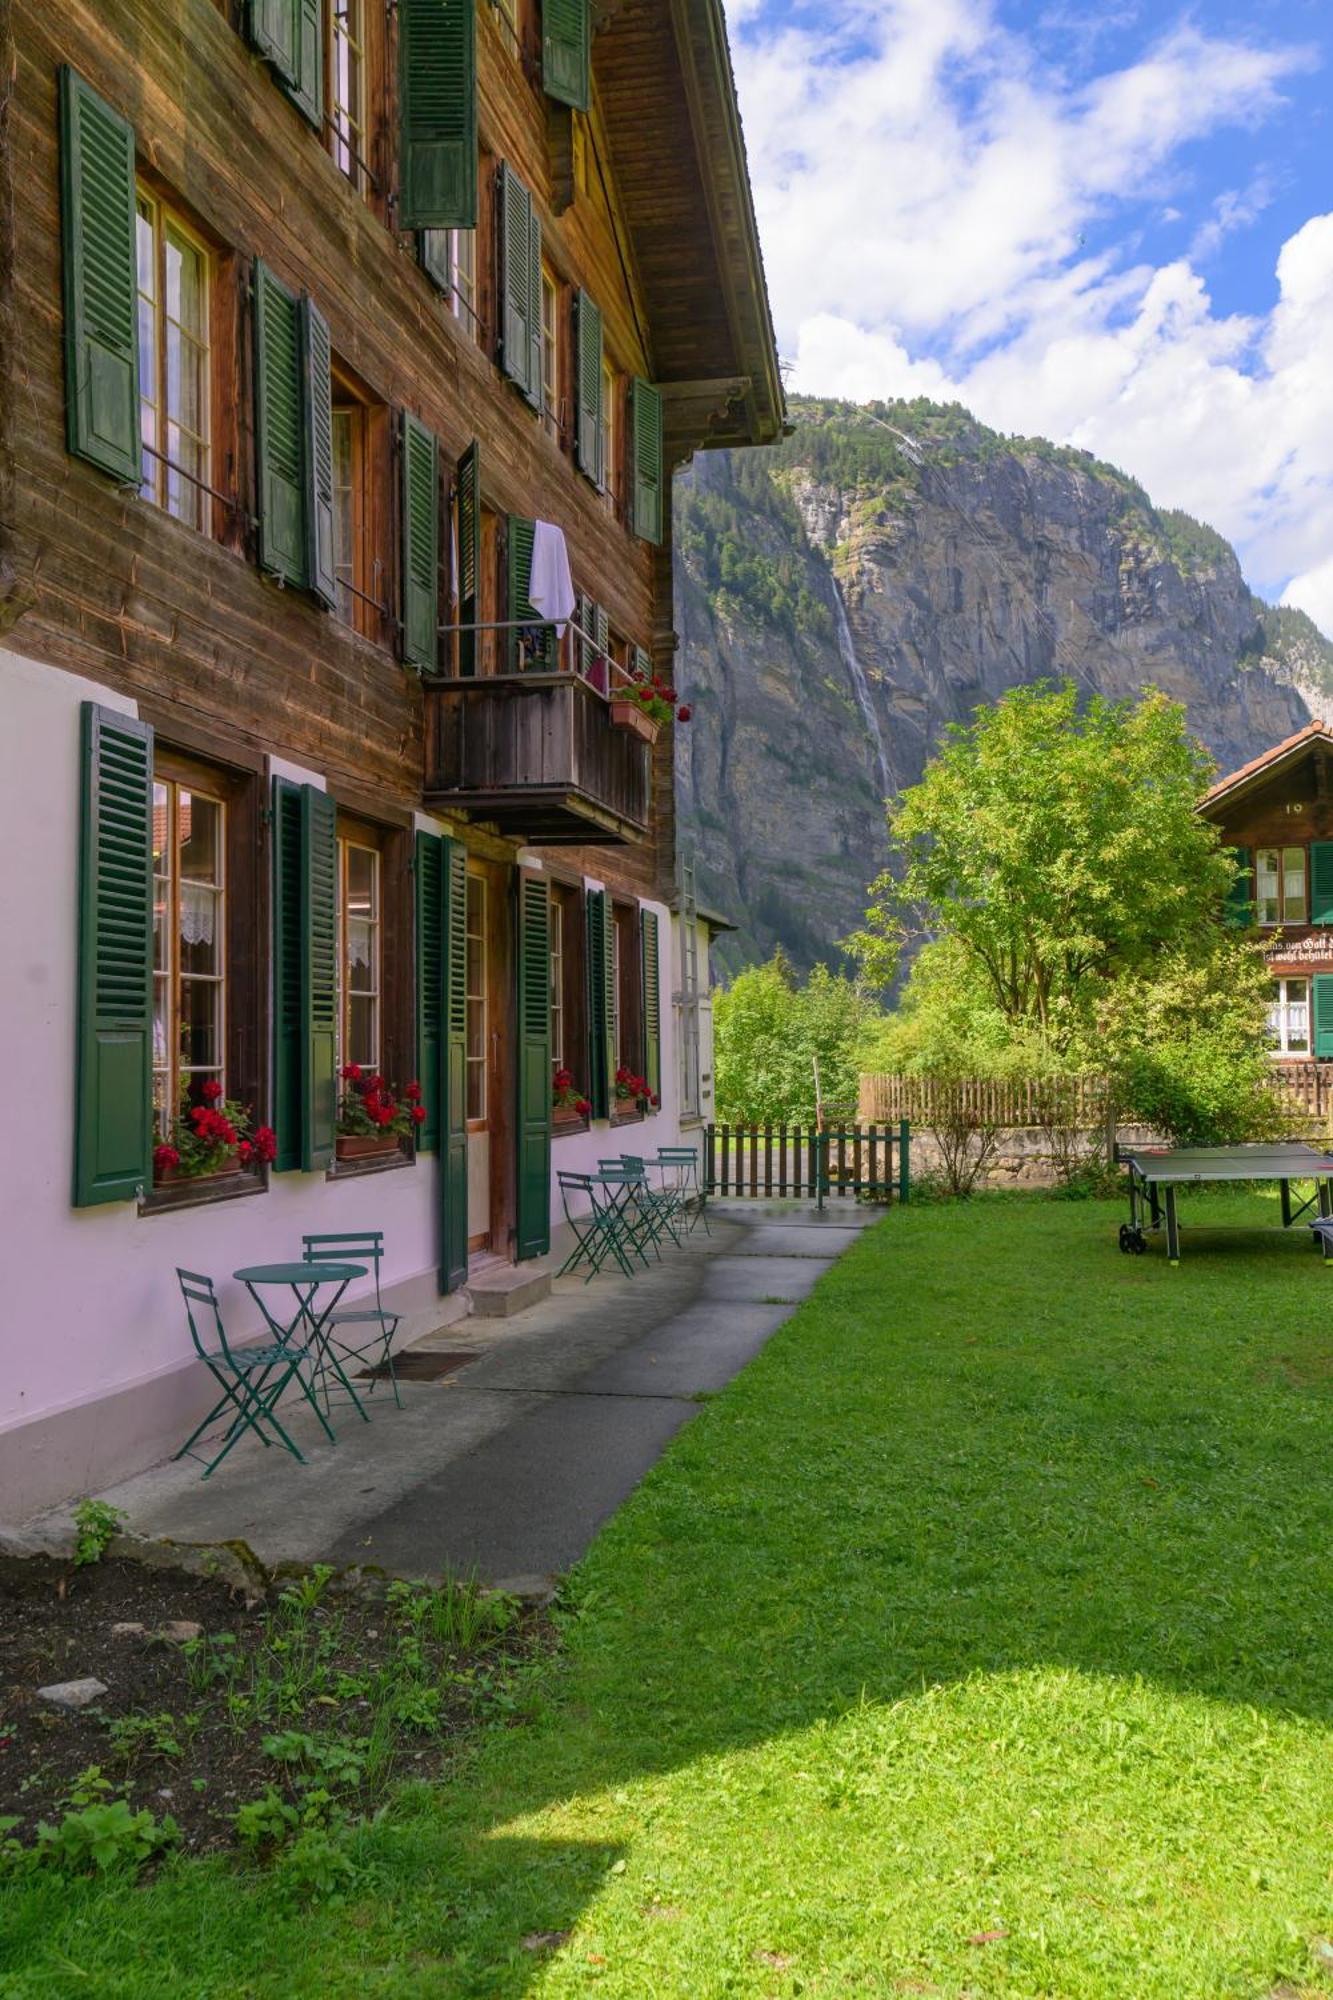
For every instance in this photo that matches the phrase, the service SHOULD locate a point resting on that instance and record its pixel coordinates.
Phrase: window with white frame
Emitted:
(1279, 885)
(360, 953)
(189, 945)
(347, 86)
(1289, 1017)
(173, 363)
(475, 989)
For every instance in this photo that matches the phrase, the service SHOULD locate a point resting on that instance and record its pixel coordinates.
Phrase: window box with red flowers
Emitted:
(213, 1139)
(570, 1109)
(633, 1098)
(374, 1119)
(642, 704)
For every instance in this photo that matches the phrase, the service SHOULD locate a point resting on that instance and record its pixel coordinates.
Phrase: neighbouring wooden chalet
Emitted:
(320, 316)
(1276, 812)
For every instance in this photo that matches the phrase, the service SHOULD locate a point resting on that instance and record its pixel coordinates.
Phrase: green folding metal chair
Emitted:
(659, 1203)
(627, 1190)
(243, 1375)
(681, 1164)
(599, 1234)
(360, 1246)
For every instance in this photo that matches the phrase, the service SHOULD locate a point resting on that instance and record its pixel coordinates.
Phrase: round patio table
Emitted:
(304, 1281)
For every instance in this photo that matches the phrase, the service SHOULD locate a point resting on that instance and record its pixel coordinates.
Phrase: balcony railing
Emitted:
(535, 751)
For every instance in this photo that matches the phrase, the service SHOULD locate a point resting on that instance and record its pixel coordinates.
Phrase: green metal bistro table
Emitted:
(622, 1187)
(1154, 1178)
(304, 1281)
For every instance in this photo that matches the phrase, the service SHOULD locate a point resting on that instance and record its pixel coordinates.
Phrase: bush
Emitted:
(768, 1033)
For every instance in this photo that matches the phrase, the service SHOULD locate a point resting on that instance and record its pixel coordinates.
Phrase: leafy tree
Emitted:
(1056, 843)
(768, 1030)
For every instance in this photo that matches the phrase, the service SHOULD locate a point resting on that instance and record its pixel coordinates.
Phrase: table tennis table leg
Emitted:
(1172, 1228)
(1325, 1208)
(1286, 1203)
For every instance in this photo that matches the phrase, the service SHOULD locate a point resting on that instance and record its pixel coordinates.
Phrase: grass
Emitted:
(974, 1642)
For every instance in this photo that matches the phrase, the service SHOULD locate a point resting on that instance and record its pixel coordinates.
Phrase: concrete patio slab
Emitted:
(508, 1465)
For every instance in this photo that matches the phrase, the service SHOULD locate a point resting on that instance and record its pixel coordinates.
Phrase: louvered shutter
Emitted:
(585, 614)
(317, 406)
(433, 251)
(274, 29)
(567, 51)
(114, 1076)
(601, 631)
(534, 1067)
(646, 460)
(469, 553)
(589, 441)
(420, 554)
(1239, 909)
(279, 428)
(320, 1023)
(643, 664)
(437, 114)
(1321, 881)
(288, 978)
(429, 901)
(453, 1096)
(1323, 1016)
(541, 642)
(652, 1000)
(520, 297)
(601, 1003)
(98, 273)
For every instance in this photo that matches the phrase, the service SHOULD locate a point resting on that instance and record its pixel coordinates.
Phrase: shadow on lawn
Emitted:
(1074, 1459)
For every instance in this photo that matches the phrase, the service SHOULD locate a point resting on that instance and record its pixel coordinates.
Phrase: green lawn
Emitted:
(976, 1641)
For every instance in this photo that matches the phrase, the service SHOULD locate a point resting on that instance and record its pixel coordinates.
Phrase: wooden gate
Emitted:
(840, 1160)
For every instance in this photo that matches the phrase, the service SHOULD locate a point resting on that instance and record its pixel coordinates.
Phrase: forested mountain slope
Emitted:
(846, 594)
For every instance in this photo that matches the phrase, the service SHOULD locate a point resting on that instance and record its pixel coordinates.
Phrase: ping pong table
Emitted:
(1155, 1177)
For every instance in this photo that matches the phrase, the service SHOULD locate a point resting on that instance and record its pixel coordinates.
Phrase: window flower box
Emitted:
(365, 1145)
(211, 1140)
(629, 715)
(372, 1122)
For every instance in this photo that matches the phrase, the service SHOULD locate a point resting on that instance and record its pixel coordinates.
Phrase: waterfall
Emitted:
(861, 688)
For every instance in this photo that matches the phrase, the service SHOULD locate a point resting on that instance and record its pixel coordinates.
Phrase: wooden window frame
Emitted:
(241, 791)
(1280, 1013)
(368, 599)
(360, 821)
(569, 897)
(1282, 850)
(464, 296)
(478, 1121)
(351, 836)
(628, 997)
(552, 354)
(164, 221)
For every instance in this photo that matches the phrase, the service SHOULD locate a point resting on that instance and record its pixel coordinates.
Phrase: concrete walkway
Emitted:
(508, 1466)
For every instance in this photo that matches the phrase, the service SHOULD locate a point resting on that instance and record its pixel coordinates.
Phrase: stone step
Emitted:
(501, 1290)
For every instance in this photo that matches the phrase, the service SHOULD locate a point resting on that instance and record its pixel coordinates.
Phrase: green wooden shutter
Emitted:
(1323, 1015)
(1321, 882)
(317, 408)
(453, 1097)
(567, 51)
(279, 428)
(437, 114)
(114, 1078)
(520, 295)
(420, 555)
(433, 252)
(601, 1003)
(429, 900)
(274, 29)
(307, 89)
(1239, 907)
(601, 628)
(646, 460)
(469, 553)
(542, 653)
(589, 435)
(534, 1067)
(585, 616)
(652, 1000)
(320, 1022)
(98, 271)
(643, 664)
(288, 978)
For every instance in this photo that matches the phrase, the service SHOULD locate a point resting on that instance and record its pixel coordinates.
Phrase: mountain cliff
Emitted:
(845, 595)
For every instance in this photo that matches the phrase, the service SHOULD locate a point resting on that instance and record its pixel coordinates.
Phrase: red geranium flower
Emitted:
(266, 1143)
(655, 1100)
(245, 1152)
(683, 712)
(165, 1156)
(583, 1107)
(210, 1090)
(412, 1092)
(351, 1073)
(419, 1114)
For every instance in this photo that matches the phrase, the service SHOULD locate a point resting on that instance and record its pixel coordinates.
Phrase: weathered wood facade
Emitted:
(371, 666)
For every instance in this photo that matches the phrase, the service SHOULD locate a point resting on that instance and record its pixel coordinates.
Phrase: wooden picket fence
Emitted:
(927, 1100)
(775, 1160)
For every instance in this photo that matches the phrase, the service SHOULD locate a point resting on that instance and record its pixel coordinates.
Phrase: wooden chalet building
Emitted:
(1276, 812)
(313, 313)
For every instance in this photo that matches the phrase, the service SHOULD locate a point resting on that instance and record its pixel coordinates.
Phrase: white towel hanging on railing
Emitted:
(550, 586)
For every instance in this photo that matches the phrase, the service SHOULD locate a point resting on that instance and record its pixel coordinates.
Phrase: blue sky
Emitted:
(1108, 224)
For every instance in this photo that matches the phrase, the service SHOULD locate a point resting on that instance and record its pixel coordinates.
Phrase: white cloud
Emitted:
(924, 190)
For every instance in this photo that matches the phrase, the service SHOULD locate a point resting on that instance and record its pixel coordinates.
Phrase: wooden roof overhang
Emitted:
(1314, 742)
(667, 97)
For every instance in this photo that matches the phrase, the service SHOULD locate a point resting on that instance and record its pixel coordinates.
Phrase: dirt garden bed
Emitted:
(290, 1712)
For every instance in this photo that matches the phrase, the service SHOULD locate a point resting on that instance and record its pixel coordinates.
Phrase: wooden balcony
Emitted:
(538, 755)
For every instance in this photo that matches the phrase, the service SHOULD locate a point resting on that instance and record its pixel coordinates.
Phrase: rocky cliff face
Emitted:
(846, 595)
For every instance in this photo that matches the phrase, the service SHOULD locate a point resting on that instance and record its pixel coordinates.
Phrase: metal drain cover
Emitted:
(414, 1367)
